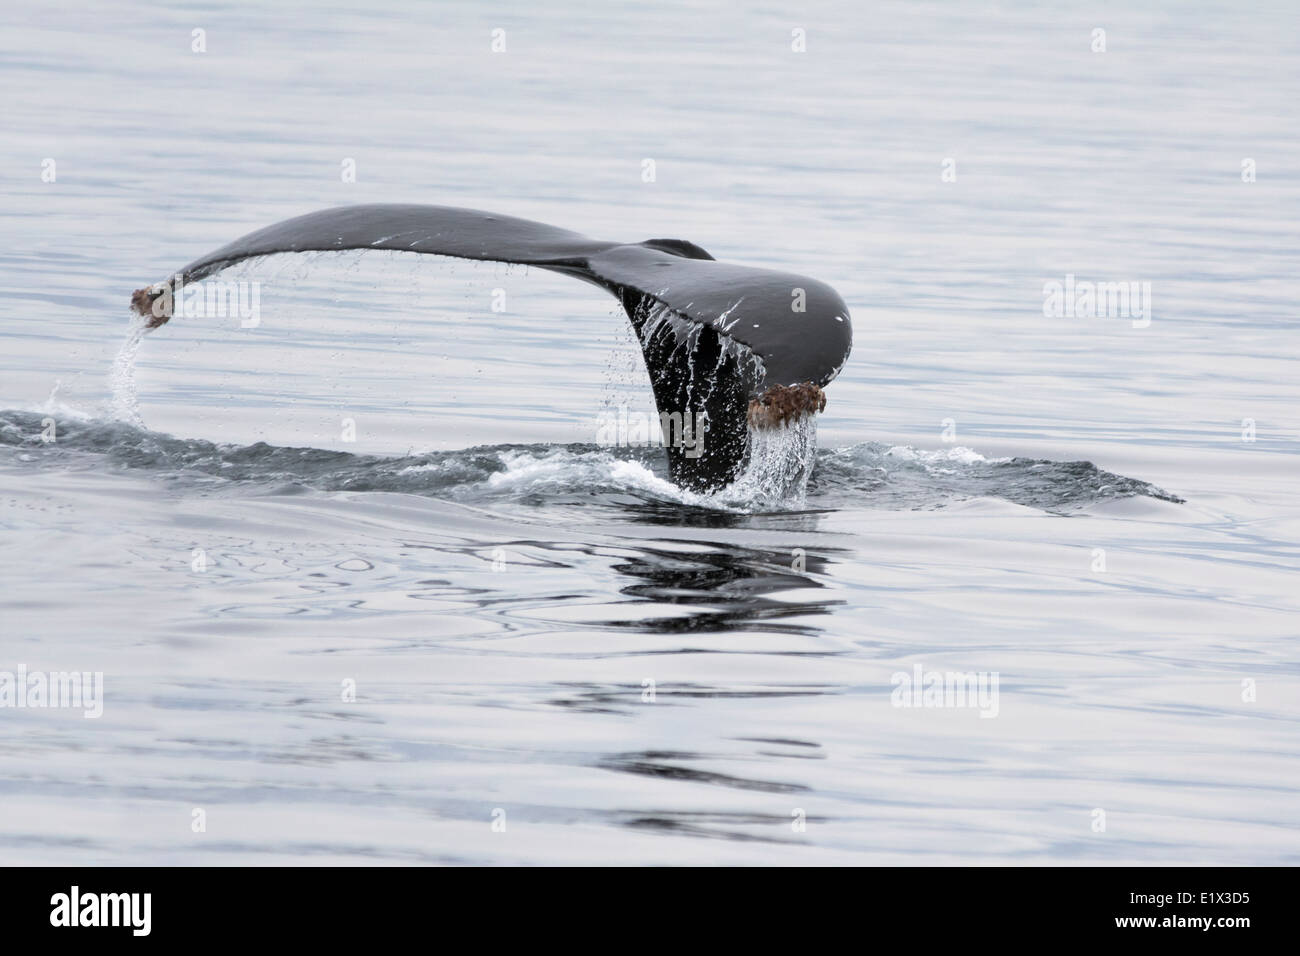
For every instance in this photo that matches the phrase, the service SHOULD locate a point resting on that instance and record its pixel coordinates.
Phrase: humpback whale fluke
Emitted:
(735, 346)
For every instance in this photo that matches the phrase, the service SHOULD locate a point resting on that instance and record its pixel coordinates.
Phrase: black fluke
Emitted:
(719, 340)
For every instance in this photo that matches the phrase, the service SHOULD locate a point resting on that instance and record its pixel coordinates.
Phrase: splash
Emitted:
(781, 460)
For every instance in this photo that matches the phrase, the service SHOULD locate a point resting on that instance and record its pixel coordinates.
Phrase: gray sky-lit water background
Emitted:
(500, 590)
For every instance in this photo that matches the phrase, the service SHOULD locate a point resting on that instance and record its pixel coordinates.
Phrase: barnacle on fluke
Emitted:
(782, 404)
(145, 302)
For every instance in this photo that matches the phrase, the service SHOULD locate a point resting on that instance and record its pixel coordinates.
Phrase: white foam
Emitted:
(959, 455)
(528, 472)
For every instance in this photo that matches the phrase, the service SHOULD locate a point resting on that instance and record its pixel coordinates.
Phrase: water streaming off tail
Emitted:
(124, 401)
(732, 358)
(781, 460)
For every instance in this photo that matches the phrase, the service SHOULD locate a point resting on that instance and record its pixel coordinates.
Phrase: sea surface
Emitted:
(365, 585)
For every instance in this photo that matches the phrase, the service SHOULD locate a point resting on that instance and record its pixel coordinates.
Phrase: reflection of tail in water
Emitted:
(718, 339)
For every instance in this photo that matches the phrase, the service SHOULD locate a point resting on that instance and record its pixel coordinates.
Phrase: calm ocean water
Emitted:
(364, 588)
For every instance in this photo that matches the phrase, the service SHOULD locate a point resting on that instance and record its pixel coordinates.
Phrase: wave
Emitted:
(868, 475)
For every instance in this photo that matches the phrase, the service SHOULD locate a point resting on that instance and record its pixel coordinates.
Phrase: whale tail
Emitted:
(729, 348)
